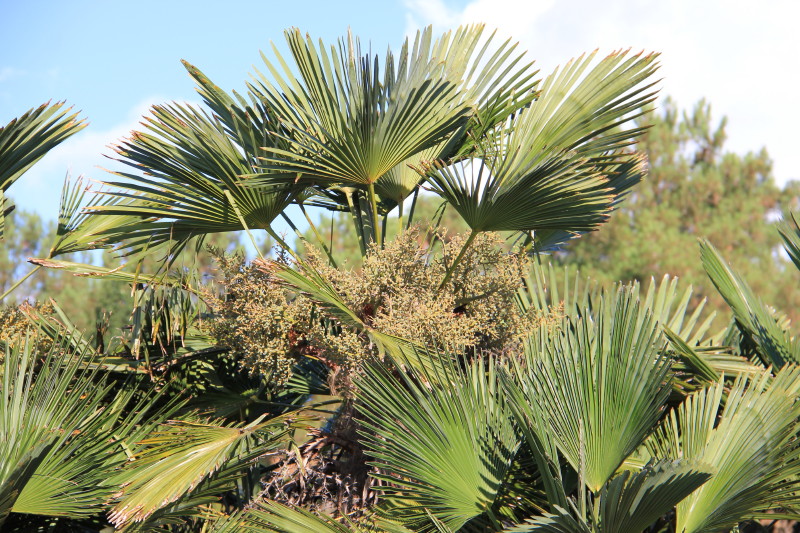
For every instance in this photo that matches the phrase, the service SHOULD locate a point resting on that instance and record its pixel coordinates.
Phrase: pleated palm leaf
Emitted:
(26, 139)
(630, 502)
(60, 436)
(700, 354)
(757, 322)
(444, 440)
(172, 462)
(275, 517)
(562, 163)
(192, 164)
(748, 434)
(351, 124)
(596, 386)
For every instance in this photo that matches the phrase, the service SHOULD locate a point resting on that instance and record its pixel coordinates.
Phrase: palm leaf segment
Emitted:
(25, 140)
(560, 164)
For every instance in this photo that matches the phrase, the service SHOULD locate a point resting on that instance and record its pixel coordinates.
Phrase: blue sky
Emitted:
(112, 60)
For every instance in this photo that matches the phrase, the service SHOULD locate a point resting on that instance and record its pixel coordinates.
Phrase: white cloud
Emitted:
(740, 56)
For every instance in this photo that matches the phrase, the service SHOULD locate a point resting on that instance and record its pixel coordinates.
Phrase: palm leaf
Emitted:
(60, 436)
(790, 233)
(559, 164)
(25, 140)
(632, 502)
(598, 384)
(350, 123)
(192, 167)
(444, 439)
(774, 345)
(750, 441)
(174, 460)
(275, 517)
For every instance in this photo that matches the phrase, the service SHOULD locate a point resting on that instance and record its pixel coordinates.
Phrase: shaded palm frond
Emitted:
(790, 233)
(444, 439)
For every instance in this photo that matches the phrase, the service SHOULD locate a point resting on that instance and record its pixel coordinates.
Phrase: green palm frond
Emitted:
(26, 139)
(632, 502)
(560, 521)
(774, 345)
(60, 437)
(444, 439)
(172, 461)
(748, 437)
(597, 385)
(629, 502)
(561, 163)
(790, 233)
(278, 518)
(192, 167)
(348, 122)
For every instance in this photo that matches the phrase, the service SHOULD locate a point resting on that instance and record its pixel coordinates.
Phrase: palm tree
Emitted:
(615, 411)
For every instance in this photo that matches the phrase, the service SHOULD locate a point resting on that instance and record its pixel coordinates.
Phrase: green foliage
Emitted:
(439, 381)
(695, 188)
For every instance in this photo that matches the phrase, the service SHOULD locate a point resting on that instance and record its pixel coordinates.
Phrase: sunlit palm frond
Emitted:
(597, 385)
(748, 435)
(26, 139)
(190, 187)
(561, 163)
(774, 345)
(278, 518)
(348, 121)
(61, 437)
(171, 462)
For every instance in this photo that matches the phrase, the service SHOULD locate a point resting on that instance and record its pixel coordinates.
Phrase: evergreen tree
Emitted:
(695, 189)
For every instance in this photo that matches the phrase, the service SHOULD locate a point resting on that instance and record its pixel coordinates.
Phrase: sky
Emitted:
(112, 60)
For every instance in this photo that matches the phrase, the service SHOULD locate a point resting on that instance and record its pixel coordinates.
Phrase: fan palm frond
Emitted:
(26, 139)
(748, 435)
(172, 461)
(445, 439)
(774, 345)
(191, 188)
(560, 164)
(61, 438)
(597, 385)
